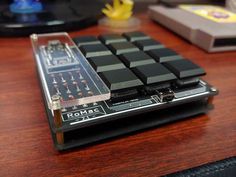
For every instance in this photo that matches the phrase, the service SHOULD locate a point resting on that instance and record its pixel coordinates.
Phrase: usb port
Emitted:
(165, 95)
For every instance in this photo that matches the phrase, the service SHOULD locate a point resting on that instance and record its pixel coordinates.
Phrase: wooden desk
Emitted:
(26, 147)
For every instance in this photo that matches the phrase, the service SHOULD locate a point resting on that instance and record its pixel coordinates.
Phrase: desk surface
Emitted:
(26, 147)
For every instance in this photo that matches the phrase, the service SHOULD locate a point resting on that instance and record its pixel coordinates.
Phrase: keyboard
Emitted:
(100, 87)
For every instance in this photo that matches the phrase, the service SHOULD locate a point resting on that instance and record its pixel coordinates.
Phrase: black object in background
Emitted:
(57, 15)
(223, 168)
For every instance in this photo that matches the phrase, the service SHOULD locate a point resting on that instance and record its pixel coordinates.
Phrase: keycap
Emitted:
(86, 40)
(106, 63)
(94, 50)
(184, 68)
(164, 54)
(120, 79)
(135, 36)
(134, 59)
(148, 44)
(111, 38)
(123, 47)
(154, 73)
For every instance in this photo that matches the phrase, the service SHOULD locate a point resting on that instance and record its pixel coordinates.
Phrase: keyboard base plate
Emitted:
(106, 120)
(129, 125)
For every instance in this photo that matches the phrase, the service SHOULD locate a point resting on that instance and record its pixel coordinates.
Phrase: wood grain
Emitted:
(26, 148)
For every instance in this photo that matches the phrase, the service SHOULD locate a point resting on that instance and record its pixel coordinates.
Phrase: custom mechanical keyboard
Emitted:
(99, 87)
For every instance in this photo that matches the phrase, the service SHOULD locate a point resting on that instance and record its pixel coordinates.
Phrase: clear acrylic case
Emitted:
(65, 72)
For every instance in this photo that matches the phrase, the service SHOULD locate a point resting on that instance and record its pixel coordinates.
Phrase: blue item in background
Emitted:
(26, 6)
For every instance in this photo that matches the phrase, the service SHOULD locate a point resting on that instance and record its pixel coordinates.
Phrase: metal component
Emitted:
(85, 105)
(76, 86)
(211, 98)
(63, 109)
(62, 78)
(74, 107)
(71, 97)
(213, 89)
(85, 85)
(90, 93)
(71, 76)
(165, 95)
(56, 106)
(57, 90)
(53, 79)
(34, 37)
(80, 75)
(67, 88)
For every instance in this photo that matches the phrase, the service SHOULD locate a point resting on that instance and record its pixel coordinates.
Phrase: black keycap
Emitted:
(134, 59)
(123, 47)
(86, 40)
(106, 63)
(120, 79)
(111, 38)
(184, 68)
(94, 50)
(154, 73)
(135, 36)
(164, 54)
(148, 44)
